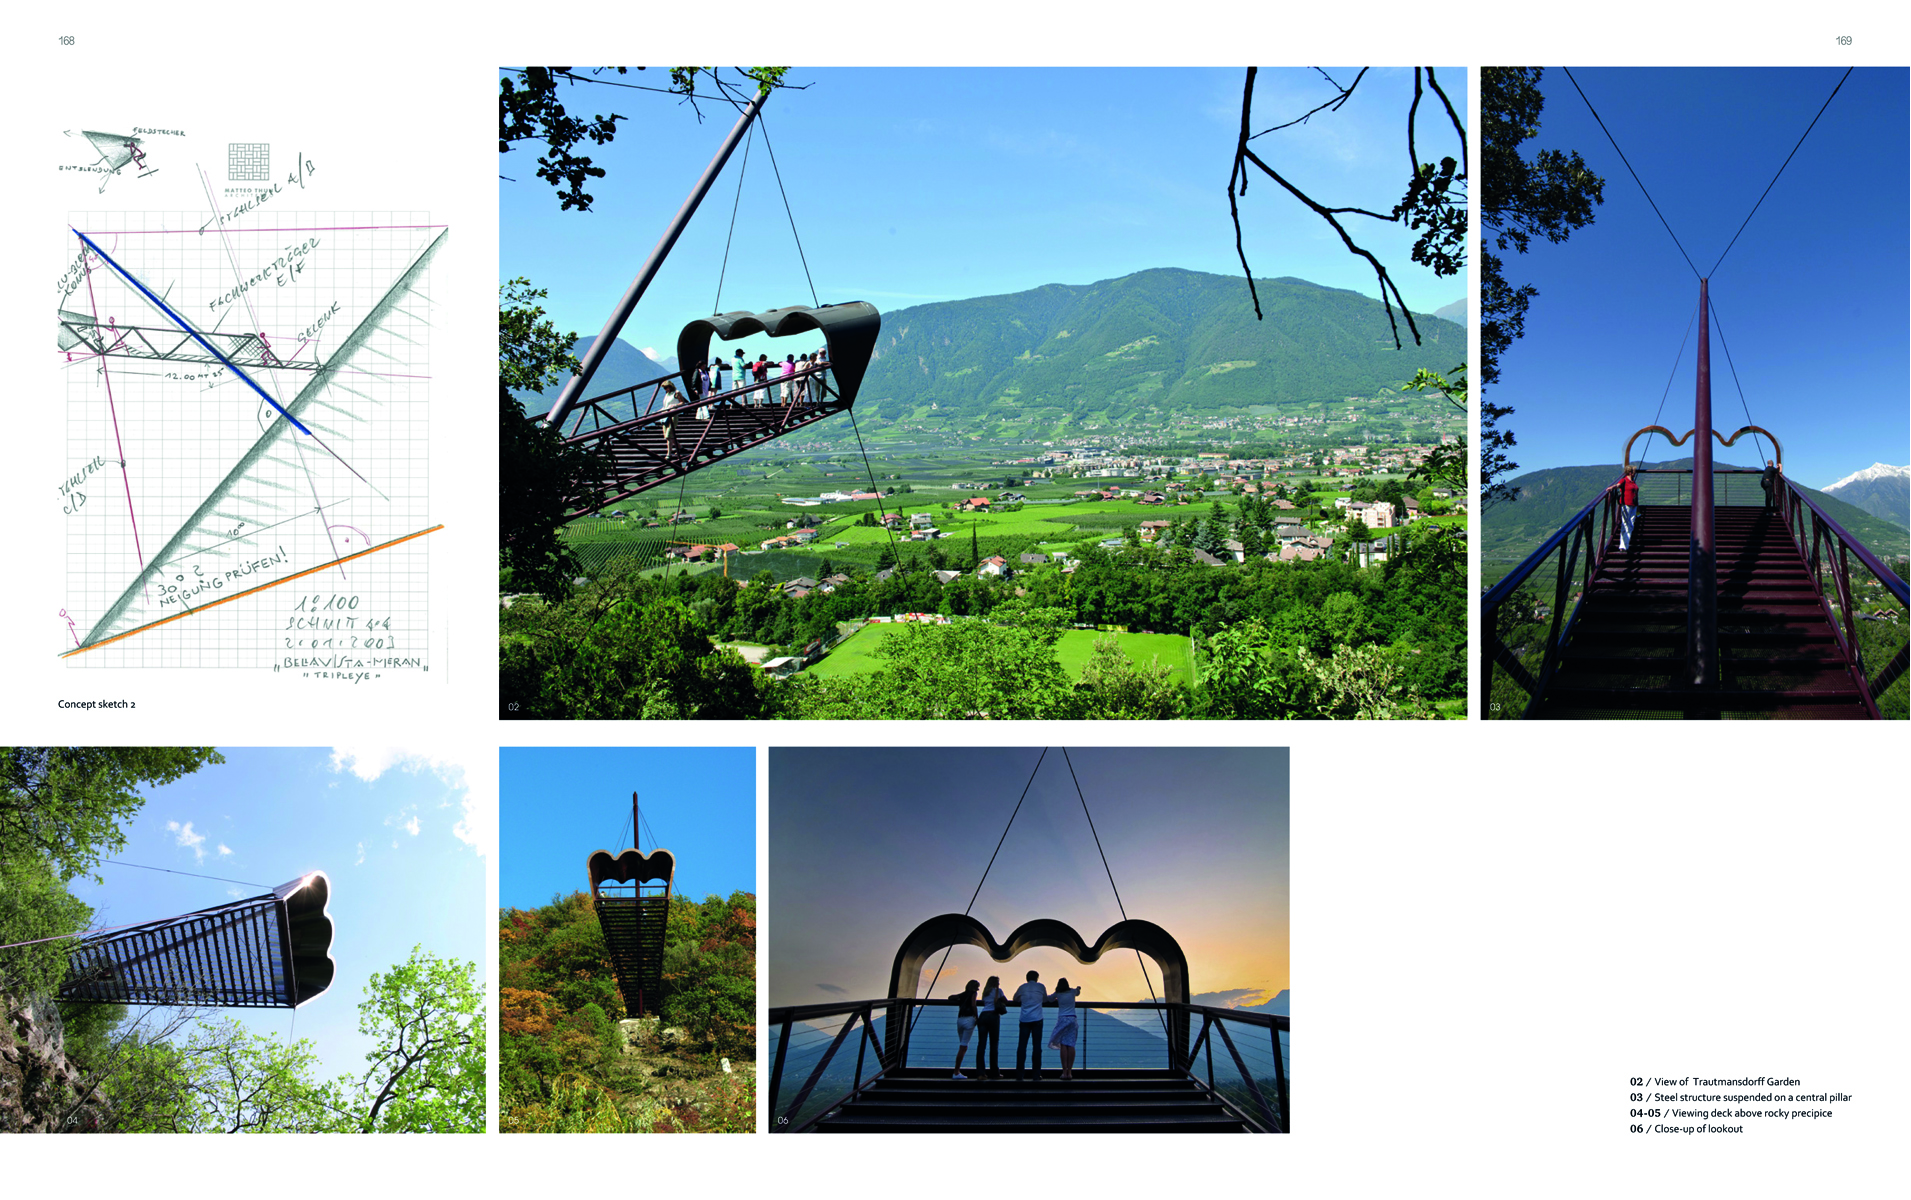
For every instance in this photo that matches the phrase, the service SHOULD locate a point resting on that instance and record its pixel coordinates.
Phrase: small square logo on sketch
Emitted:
(249, 161)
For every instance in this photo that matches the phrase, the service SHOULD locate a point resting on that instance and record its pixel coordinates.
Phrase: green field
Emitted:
(1174, 650)
(858, 654)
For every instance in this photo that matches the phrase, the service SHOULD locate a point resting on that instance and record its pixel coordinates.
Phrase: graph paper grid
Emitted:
(153, 439)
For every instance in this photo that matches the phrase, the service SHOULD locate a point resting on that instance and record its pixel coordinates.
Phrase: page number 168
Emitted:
(66, 40)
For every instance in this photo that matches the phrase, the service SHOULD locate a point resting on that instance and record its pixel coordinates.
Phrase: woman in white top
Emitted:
(965, 1024)
(1063, 1038)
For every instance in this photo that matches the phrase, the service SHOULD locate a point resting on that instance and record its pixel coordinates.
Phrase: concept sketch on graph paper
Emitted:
(247, 393)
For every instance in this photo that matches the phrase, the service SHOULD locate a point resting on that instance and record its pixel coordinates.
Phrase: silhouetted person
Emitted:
(965, 1025)
(1030, 996)
(988, 1026)
(1628, 506)
(1063, 1038)
(1768, 479)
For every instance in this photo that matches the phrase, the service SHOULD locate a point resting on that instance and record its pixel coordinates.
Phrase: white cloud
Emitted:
(224, 850)
(186, 837)
(411, 826)
(360, 861)
(478, 796)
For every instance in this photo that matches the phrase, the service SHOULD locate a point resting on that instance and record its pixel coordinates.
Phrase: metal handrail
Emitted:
(1825, 533)
(1271, 1115)
(1596, 545)
(620, 482)
(1812, 543)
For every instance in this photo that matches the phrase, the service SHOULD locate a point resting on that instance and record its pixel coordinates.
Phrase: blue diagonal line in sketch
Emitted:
(181, 322)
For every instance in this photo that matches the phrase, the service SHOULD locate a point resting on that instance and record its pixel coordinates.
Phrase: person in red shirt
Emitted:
(1628, 506)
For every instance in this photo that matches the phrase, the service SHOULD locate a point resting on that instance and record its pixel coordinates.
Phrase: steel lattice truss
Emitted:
(83, 334)
(268, 951)
(634, 917)
(636, 454)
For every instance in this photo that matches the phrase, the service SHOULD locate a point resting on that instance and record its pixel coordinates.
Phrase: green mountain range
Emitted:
(1163, 339)
(1550, 498)
(1147, 349)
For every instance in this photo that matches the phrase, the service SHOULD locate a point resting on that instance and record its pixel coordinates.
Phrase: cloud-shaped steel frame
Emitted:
(308, 927)
(849, 330)
(630, 867)
(960, 929)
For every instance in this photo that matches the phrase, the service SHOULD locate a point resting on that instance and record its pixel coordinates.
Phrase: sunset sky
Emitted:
(867, 843)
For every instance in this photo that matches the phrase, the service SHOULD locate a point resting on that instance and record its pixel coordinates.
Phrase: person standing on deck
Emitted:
(966, 1015)
(1628, 506)
(1066, 1025)
(988, 1026)
(1768, 479)
(1030, 996)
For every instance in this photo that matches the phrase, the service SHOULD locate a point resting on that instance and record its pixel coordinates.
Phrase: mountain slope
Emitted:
(1880, 489)
(1163, 337)
(1548, 499)
(623, 367)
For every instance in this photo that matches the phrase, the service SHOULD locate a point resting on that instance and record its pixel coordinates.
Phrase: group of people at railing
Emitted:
(979, 1012)
(797, 380)
(1770, 481)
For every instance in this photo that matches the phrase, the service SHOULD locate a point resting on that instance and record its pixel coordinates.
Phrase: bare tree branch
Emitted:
(1426, 202)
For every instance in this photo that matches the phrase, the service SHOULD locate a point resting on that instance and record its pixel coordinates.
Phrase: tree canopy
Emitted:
(1548, 195)
(536, 470)
(63, 805)
(529, 110)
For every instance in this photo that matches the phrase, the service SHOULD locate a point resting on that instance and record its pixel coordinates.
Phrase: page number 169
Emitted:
(1844, 41)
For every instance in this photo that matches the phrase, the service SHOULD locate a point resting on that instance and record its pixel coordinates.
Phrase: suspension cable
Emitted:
(1781, 171)
(1735, 383)
(1634, 174)
(787, 211)
(716, 306)
(872, 485)
(1669, 378)
(219, 878)
(1152, 998)
(978, 884)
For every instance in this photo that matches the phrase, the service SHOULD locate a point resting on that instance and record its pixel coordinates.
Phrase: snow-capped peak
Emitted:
(1874, 471)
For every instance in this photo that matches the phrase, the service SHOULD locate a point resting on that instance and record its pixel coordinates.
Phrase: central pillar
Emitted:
(1702, 587)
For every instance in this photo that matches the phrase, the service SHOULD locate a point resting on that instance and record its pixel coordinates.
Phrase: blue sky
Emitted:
(1812, 299)
(867, 843)
(916, 185)
(392, 830)
(558, 804)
